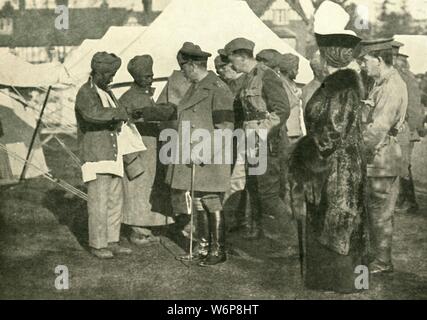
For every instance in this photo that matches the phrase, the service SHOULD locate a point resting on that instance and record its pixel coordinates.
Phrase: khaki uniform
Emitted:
(147, 201)
(385, 160)
(414, 117)
(266, 106)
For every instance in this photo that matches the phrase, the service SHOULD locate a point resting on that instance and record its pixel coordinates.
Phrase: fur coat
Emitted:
(327, 170)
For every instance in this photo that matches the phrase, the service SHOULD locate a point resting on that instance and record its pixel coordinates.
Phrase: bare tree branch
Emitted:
(296, 6)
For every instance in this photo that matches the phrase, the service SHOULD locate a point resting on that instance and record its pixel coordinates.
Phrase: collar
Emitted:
(150, 90)
(386, 76)
(207, 81)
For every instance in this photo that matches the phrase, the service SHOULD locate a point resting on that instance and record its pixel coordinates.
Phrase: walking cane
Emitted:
(193, 169)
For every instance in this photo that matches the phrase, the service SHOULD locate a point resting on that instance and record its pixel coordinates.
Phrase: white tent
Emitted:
(415, 46)
(16, 72)
(208, 23)
(74, 57)
(116, 40)
(18, 126)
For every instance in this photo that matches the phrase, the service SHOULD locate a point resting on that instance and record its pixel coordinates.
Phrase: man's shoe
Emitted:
(194, 258)
(212, 260)
(380, 267)
(139, 241)
(102, 253)
(116, 248)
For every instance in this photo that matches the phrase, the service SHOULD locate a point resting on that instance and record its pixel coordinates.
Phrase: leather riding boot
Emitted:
(412, 198)
(253, 218)
(407, 200)
(217, 246)
(203, 238)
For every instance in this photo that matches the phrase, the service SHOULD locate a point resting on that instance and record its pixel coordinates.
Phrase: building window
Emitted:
(6, 26)
(279, 17)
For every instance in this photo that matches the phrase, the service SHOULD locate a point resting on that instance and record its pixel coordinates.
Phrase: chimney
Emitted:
(148, 7)
(21, 5)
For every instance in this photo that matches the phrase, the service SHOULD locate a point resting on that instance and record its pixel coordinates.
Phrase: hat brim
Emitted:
(337, 40)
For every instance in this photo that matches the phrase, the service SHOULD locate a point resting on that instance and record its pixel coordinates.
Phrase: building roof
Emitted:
(260, 6)
(36, 27)
(283, 32)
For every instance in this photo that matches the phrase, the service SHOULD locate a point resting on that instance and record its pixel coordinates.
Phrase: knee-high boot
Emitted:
(217, 245)
(203, 238)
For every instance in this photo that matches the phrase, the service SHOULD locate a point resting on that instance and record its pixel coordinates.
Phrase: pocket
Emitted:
(133, 165)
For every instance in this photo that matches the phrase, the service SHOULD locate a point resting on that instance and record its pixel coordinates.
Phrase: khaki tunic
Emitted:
(389, 97)
(147, 201)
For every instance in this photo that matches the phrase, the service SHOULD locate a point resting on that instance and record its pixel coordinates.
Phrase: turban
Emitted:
(105, 62)
(141, 65)
(337, 57)
(288, 62)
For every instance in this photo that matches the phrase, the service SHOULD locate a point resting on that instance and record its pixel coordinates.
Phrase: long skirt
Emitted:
(147, 201)
(326, 270)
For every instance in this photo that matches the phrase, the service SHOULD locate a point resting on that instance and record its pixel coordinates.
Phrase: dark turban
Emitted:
(337, 57)
(105, 62)
(288, 62)
(141, 65)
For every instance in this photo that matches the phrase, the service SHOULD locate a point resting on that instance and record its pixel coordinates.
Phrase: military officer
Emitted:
(208, 104)
(235, 199)
(386, 126)
(99, 119)
(271, 58)
(266, 107)
(414, 116)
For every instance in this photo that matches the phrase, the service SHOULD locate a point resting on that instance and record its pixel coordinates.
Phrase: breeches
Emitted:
(383, 192)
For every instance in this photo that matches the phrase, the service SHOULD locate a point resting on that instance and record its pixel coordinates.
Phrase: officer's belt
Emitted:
(249, 116)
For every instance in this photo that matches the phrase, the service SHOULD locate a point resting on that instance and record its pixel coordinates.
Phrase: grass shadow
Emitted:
(70, 211)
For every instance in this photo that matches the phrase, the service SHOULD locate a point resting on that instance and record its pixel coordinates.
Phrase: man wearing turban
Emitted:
(99, 120)
(146, 195)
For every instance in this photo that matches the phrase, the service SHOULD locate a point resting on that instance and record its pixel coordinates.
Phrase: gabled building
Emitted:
(284, 21)
(31, 32)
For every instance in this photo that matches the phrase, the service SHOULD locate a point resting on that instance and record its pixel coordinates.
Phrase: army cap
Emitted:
(402, 55)
(395, 46)
(237, 44)
(222, 52)
(271, 57)
(366, 46)
(192, 52)
(220, 61)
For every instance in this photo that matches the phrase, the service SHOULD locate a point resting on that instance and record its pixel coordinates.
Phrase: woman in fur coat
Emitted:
(328, 173)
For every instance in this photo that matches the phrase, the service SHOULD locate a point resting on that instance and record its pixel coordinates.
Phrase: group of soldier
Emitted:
(119, 142)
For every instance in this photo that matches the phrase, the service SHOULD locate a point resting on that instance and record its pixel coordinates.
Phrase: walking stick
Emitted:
(193, 169)
(301, 244)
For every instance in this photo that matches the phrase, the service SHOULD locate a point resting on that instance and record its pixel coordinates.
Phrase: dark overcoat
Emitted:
(207, 105)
